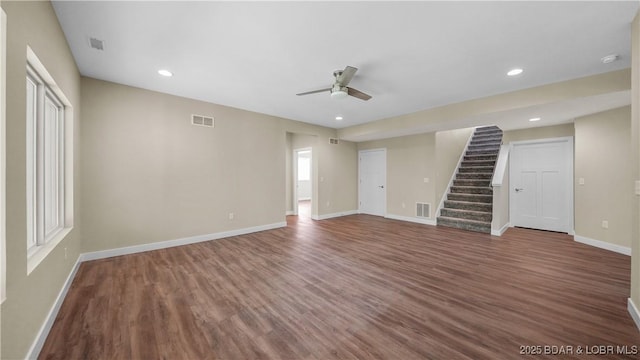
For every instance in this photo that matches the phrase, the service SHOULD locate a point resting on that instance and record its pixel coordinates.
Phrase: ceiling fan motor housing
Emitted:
(339, 92)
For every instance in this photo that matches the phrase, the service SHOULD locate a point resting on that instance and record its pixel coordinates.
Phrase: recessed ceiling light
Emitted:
(514, 72)
(610, 58)
(166, 73)
(534, 119)
(338, 117)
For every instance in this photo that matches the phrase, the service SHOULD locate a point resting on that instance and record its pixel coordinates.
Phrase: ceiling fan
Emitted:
(340, 88)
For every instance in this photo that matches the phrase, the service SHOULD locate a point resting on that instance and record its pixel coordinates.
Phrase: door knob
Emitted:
(519, 189)
(381, 186)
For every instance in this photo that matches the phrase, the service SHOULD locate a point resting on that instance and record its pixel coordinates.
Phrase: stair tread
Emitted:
(482, 195)
(466, 202)
(465, 220)
(468, 211)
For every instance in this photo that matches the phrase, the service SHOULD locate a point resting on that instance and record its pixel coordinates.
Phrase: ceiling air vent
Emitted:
(202, 120)
(96, 44)
(333, 141)
(423, 210)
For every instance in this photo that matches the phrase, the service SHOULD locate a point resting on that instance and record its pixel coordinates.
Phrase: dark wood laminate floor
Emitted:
(351, 287)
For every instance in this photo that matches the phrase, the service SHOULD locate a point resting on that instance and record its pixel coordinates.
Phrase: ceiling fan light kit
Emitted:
(339, 89)
(338, 92)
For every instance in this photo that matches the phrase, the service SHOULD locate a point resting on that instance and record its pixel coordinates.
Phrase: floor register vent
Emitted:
(423, 210)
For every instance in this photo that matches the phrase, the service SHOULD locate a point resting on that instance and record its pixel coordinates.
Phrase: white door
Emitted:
(372, 188)
(541, 178)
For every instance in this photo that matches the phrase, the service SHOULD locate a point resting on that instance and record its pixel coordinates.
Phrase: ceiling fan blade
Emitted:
(314, 92)
(359, 94)
(347, 75)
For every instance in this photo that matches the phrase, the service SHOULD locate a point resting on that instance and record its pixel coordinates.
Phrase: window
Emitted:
(304, 166)
(49, 175)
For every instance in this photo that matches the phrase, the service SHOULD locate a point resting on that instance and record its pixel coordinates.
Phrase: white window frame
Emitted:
(3, 176)
(44, 231)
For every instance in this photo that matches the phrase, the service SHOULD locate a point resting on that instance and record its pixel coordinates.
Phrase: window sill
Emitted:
(43, 251)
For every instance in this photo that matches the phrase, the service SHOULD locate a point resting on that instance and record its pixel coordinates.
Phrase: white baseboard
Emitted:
(499, 232)
(603, 245)
(633, 311)
(411, 219)
(177, 242)
(290, 212)
(41, 337)
(334, 215)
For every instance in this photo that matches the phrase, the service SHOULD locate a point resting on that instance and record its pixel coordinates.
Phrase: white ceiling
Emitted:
(411, 55)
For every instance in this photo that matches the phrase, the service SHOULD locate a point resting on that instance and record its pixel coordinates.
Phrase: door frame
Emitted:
(569, 170)
(360, 152)
(295, 177)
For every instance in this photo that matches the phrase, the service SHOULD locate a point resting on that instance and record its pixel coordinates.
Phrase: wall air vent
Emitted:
(333, 141)
(96, 44)
(423, 210)
(202, 120)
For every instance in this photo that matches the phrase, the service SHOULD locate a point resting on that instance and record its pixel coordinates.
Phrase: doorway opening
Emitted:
(303, 184)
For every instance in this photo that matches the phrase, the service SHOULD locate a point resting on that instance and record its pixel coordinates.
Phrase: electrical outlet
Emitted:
(231, 216)
(328, 203)
(426, 180)
(605, 224)
(404, 205)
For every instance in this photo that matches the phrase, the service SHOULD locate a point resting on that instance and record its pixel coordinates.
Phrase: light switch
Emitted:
(581, 181)
(637, 187)
(426, 180)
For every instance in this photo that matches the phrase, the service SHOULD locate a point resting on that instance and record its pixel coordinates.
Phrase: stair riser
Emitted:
(495, 148)
(480, 158)
(471, 198)
(474, 176)
(472, 182)
(476, 163)
(471, 190)
(472, 152)
(476, 169)
(487, 136)
(461, 214)
(488, 141)
(468, 206)
(461, 224)
(488, 133)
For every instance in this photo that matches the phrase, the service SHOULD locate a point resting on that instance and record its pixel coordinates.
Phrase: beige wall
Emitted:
(152, 176)
(449, 147)
(336, 176)
(410, 159)
(29, 298)
(635, 159)
(602, 158)
(543, 132)
(484, 110)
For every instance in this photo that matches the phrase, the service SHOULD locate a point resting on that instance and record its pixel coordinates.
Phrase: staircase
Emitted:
(469, 203)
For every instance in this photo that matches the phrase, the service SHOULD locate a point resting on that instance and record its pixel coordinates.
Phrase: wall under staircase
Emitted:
(469, 202)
